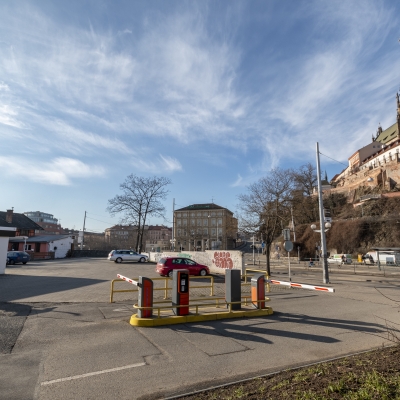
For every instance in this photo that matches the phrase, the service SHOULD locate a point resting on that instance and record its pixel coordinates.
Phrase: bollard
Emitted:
(233, 292)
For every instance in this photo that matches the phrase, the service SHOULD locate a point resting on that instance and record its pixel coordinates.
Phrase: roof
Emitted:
(19, 221)
(207, 206)
(159, 228)
(39, 239)
(388, 134)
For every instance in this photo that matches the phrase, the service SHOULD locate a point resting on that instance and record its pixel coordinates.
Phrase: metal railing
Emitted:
(202, 305)
(165, 288)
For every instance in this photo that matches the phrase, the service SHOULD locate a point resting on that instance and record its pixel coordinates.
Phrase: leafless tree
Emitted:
(142, 198)
(265, 209)
(305, 179)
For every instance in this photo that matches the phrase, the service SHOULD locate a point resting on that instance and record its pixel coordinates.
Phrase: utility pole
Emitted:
(173, 224)
(294, 232)
(322, 223)
(83, 231)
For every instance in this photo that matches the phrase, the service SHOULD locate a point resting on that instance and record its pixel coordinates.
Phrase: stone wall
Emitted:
(90, 253)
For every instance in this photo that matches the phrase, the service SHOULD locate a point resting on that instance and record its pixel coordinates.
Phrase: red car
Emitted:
(166, 265)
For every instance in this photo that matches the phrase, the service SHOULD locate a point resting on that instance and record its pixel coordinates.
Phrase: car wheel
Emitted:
(203, 272)
(142, 259)
(170, 273)
(12, 262)
(24, 262)
(118, 260)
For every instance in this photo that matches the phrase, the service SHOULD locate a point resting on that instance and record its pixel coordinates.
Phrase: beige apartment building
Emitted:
(123, 236)
(159, 238)
(204, 227)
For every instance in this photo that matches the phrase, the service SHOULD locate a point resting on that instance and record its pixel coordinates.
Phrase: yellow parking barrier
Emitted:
(195, 306)
(197, 316)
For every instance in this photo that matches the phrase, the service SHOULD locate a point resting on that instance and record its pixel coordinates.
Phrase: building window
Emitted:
(192, 222)
(213, 231)
(213, 222)
(205, 231)
(184, 222)
(179, 222)
(184, 215)
(179, 232)
(199, 222)
(205, 222)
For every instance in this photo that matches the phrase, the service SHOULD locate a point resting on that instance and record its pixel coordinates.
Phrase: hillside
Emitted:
(355, 230)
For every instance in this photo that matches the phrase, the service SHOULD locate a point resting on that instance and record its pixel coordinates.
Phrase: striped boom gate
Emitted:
(302, 286)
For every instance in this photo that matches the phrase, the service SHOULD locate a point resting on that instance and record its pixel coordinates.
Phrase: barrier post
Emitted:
(145, 294)
(145, 297)
(258, 291)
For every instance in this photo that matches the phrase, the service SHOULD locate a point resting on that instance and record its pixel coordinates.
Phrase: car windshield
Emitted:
(161, 261)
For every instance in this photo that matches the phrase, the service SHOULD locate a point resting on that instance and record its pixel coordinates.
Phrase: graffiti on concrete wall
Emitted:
(222, 259)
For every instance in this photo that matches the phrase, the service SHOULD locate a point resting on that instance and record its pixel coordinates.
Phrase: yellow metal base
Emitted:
(207, 316)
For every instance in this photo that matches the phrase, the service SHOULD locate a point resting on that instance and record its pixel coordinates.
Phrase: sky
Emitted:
(210, 94)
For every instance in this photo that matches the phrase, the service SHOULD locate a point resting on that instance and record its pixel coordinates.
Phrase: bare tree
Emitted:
(305, 179)
(265, 209)
(141, 199)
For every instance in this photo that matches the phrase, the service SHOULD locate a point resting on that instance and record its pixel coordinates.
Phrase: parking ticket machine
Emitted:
(145, 297)
(180, 291)
(258, 291)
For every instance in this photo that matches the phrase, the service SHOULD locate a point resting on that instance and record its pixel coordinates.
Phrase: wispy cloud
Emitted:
(238, 182)
(60, 171)
(162, 165)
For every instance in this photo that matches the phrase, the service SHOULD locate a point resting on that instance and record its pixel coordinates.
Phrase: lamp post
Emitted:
(322, 219)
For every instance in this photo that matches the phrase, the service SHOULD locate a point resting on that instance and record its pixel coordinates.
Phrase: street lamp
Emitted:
(322, 219)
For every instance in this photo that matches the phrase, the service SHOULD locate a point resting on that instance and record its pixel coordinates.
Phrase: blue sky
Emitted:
(209, 94)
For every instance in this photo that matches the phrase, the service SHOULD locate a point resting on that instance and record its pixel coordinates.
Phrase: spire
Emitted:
(398, 108)
(326, 176)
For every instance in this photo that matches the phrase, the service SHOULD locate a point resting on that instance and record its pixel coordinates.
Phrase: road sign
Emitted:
(288, 245)
(286, 234)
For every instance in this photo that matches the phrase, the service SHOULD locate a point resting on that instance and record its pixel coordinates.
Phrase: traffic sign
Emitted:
(288, 245)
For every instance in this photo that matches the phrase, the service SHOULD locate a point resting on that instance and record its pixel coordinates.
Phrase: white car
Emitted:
(126, 255)
(336, 260)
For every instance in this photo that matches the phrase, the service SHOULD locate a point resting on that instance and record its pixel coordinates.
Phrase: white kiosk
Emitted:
(5, 234)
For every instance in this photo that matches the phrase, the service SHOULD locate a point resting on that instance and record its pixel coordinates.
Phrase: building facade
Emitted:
(204, 227)
(376, 164)
(124, 236)
(158, 238)
(47, 221)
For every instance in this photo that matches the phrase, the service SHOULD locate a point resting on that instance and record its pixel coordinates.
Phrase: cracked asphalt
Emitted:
(61, 338)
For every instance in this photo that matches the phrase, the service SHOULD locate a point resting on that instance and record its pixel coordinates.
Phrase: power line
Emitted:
(333, 159)
(108, 223)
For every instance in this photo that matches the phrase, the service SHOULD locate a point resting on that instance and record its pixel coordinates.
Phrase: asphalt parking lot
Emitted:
(61, 338)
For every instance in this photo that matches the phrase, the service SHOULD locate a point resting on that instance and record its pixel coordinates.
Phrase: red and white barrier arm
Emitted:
(136, 283)
(302, 286)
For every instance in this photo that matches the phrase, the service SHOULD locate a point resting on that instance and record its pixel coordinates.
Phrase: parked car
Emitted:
(166, 265)
(338, 259)
(127, 255)
(15, 257)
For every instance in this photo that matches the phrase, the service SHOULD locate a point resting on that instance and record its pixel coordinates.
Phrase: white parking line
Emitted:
(105, 371)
